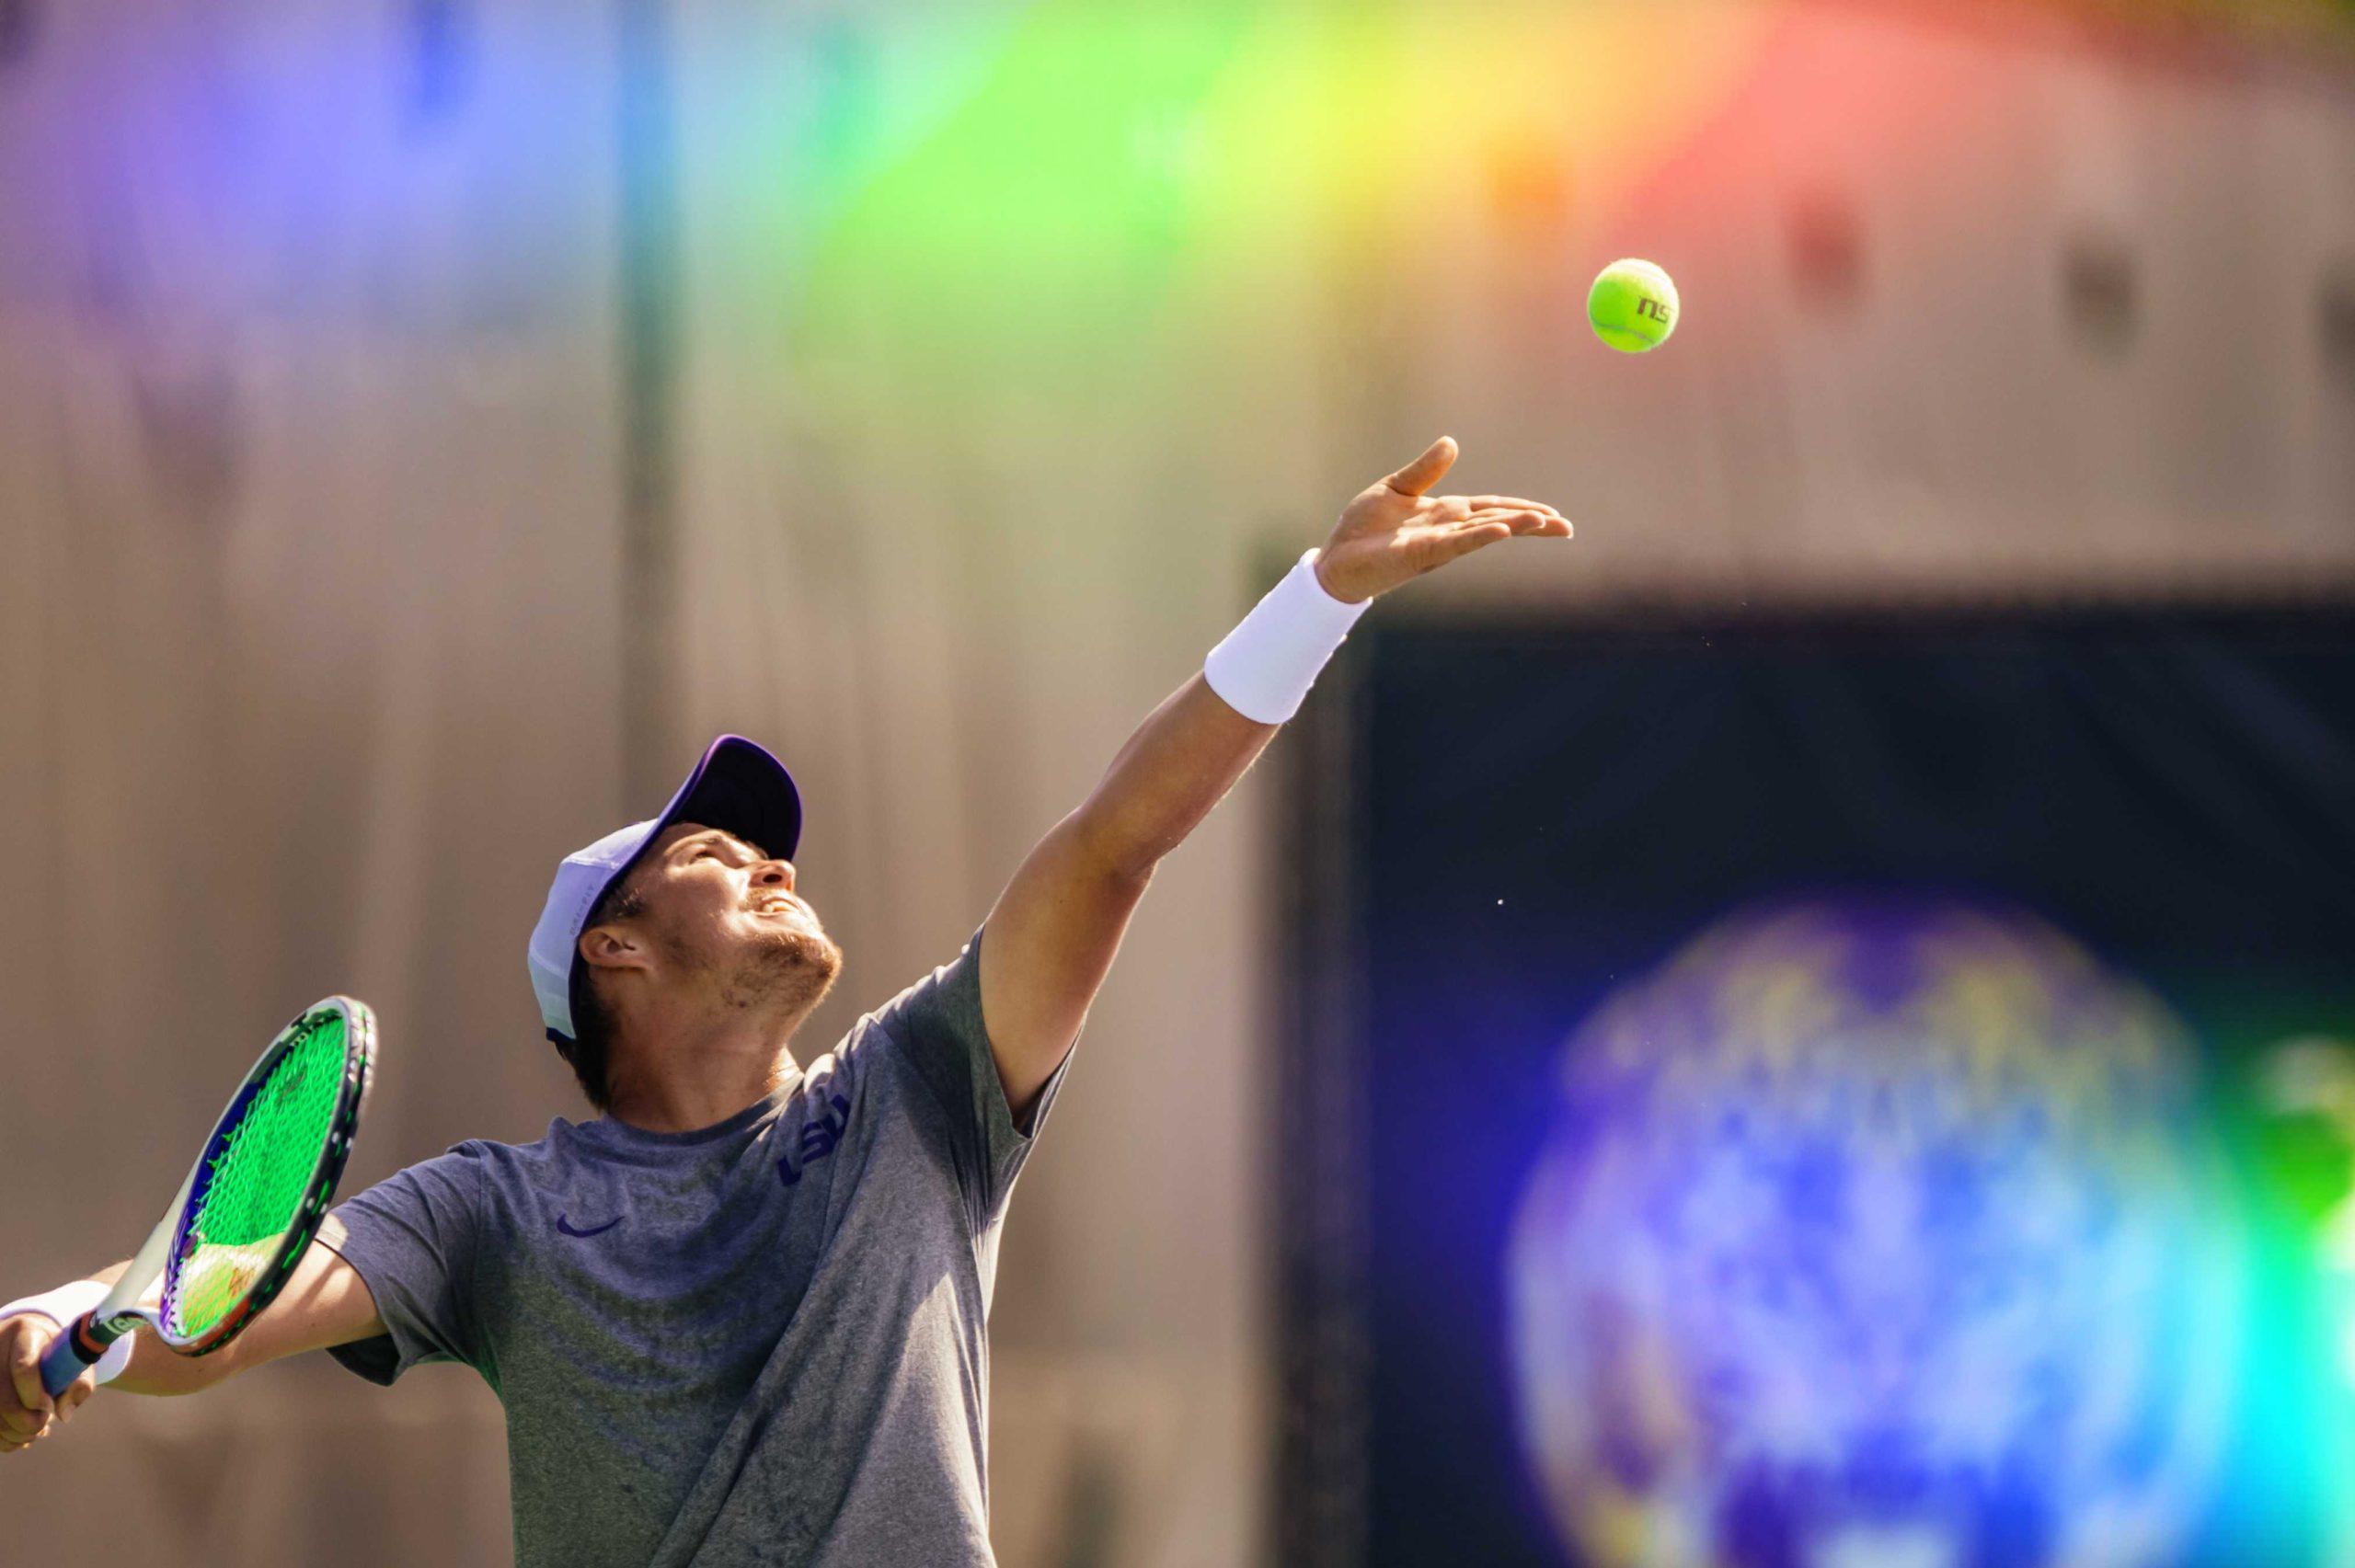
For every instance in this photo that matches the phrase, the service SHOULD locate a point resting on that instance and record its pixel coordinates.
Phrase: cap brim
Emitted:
(739, 787)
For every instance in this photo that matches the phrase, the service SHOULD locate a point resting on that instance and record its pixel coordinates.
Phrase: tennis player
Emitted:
(741, 1315)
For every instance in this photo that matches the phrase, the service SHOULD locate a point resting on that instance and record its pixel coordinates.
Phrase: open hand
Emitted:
(1394, 531)
(27, 1413)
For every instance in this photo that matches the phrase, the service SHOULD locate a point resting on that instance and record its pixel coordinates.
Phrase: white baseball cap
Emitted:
(737, 786)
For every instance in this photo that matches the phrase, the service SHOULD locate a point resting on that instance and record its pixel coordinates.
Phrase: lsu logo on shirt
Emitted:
(816, 1140)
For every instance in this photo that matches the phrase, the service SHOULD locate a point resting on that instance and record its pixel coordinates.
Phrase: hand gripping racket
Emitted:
(251, 1203)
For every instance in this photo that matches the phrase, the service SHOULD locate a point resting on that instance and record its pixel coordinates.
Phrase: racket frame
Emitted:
(168, 1244)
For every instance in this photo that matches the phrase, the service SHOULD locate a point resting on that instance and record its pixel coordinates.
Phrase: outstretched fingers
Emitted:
(1462, 540)
(1503, 503)
(1531, 520)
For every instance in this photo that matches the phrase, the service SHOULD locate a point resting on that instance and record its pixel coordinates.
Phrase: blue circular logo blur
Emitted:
(1880, 1232)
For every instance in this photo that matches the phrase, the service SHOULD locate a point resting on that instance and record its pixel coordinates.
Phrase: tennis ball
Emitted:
(1632, 306)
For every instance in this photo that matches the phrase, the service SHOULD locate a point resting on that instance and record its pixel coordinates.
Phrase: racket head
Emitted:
(257, 1193)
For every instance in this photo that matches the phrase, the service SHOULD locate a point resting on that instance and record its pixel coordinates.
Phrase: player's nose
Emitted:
(774, 873)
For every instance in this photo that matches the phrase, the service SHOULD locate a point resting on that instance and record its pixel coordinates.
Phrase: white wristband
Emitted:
(65, 1304)
(1265, 667)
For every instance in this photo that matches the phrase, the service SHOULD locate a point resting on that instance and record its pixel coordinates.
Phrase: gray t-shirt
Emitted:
(762, 1341)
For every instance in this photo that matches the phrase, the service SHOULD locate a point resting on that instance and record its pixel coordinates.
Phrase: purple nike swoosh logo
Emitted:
(565, 1225)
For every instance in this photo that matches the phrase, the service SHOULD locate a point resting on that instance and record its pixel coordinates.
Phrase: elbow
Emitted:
(1117, 852)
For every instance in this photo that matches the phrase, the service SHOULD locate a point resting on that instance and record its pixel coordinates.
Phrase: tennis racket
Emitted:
(251, 1203)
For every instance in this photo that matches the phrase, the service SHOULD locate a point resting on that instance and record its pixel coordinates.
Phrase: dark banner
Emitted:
(1856, 1094)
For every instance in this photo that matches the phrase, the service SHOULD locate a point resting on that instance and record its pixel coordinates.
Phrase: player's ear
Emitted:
(615, 947)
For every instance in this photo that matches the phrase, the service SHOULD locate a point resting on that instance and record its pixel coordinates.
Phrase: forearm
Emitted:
(1195, 746)
(1179, 765)
(156, 1369)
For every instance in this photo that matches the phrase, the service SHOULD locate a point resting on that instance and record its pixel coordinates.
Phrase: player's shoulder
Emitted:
(479, 1169)
(950, 985)
(488, 1158)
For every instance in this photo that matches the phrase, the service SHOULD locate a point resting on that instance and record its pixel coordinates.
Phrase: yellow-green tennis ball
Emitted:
(1632, 306)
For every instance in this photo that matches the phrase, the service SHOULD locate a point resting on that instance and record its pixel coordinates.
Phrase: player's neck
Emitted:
(698, 1072)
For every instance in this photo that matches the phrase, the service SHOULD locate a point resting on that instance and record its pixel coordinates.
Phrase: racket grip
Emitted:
(66, 1359)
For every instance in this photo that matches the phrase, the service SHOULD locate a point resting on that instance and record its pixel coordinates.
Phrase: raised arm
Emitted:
(1054, 931)
(325, 1303)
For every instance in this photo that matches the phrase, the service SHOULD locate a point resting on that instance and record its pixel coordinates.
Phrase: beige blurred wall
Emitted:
(311, 515)
(308, 517)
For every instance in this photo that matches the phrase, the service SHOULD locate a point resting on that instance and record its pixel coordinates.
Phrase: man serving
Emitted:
(740, 1316)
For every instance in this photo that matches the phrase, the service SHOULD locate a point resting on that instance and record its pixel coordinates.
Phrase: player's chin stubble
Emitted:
(789, 971)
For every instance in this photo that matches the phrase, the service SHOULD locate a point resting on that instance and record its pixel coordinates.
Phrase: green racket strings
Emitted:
(259, 1179)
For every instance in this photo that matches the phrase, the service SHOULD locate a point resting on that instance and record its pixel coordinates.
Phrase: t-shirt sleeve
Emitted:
(936, 1028)
(412, 1237)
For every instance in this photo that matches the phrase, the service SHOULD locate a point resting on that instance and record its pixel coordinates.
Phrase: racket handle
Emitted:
(66, 1359)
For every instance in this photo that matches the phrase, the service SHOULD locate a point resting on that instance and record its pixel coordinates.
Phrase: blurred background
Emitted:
(1814, 1027)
